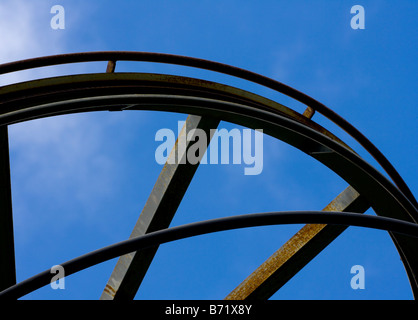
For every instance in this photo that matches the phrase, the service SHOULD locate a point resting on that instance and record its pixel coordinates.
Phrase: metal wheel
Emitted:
(207, 103)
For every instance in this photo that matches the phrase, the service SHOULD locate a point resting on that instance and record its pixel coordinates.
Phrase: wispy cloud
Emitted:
(61, 163)
(61, 160)
(18, 27)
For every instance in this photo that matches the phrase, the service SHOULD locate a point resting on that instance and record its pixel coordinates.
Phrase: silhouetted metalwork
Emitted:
(152, 239)
(207, 103)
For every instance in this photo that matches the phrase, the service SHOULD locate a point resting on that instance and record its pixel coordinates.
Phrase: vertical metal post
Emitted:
(298, 251)
(7, 251)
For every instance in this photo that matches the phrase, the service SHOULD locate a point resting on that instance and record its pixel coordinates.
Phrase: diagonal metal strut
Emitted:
(298, 251)
(158, 211)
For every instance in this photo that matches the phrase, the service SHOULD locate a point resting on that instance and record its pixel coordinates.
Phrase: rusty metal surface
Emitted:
(109, 91)
(13, 98)
(233, 112)
(298, 251)
(309, 112)
(225, 69)
(111, 65)
(384, 197)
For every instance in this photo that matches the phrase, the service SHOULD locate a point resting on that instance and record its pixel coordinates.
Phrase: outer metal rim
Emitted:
(205, 227)
(225, 69)
(385, 198)
(69, 94)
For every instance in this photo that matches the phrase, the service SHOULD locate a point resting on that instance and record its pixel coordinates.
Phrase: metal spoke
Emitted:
(158, 212)
(298, 251)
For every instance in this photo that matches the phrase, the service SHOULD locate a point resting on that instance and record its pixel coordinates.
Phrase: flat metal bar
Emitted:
(158, 211)
(7, 251)
(309, 112)
(297, 252)
(111, 65)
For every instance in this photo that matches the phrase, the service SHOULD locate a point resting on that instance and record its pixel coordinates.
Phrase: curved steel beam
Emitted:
(70, 95)
(384, 197)
(102, 92)
(14, 99)
(225, 69)
(211, 226)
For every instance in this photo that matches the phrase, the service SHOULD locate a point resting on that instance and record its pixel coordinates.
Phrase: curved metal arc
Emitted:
(206, 227)
(252, 118)
(236, 113)
(319, 157)
(229, 70)
(20, 94)
(384, 197)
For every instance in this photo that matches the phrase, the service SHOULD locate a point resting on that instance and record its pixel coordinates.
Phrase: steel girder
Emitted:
(157, 213)
(312, 104)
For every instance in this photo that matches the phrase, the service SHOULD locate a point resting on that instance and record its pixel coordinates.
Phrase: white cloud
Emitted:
(22, 36)
(59, 163)
(18, 29)
(26, 33)
(61, 157)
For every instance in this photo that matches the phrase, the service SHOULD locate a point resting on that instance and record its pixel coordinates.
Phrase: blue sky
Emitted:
(80, 181)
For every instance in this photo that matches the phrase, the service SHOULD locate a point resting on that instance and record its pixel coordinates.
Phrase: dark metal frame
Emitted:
(153, 239)
(209, 102)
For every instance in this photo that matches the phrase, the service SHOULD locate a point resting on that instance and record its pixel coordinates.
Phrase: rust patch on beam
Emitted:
(298, 251)
(111, 65)
(309, 112)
